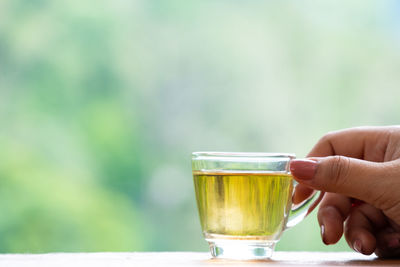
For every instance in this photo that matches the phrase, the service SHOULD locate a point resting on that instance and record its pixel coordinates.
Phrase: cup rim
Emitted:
(201, 154)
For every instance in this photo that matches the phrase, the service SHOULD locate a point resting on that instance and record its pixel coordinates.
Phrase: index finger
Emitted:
(367, 143)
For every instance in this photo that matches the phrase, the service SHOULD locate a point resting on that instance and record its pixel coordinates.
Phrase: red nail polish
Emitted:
(303, 169)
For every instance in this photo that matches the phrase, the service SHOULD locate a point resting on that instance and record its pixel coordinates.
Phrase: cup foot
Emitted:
(241, 250)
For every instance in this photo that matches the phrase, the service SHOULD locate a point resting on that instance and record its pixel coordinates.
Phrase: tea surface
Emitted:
(243, 204)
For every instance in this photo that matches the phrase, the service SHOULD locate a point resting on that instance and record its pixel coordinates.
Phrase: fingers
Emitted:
(364, 180)
(367, 143)
(361, 226)
(388, 243)
(357, 173)
(332, 213)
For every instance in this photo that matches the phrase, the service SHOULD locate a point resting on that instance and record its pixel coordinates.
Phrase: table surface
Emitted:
(188, 259)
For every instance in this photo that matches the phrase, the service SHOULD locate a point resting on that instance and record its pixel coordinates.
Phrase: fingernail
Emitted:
(323, 234)
(303, 169)
(357, 246)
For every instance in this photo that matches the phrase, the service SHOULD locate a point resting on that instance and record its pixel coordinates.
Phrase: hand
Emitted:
(359, 168)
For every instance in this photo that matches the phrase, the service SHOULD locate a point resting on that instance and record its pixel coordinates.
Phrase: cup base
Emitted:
(238, 250)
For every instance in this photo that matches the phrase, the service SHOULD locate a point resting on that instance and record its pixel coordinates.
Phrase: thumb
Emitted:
(364, 180)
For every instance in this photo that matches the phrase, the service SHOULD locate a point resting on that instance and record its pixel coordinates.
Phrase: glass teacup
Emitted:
(245, 201)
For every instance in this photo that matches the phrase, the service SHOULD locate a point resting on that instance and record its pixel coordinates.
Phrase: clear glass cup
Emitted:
(245, 201)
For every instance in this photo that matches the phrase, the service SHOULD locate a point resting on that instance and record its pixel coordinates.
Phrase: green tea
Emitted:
(235, 205)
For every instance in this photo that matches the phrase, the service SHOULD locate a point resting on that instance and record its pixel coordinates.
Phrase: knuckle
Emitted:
(339, 170)
(327, 137)
(330, 212)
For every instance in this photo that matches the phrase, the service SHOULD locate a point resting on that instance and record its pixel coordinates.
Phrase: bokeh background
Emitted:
(102, 102)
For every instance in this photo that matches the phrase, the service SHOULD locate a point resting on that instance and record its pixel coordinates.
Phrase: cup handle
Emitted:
(299, 211)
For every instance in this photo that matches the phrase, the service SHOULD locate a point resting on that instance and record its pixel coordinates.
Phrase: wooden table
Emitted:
(138, 259)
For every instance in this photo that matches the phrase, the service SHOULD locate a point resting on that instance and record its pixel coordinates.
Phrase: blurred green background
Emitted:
(102, 102)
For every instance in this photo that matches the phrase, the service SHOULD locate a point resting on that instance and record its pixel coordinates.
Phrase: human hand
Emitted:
(359, 168)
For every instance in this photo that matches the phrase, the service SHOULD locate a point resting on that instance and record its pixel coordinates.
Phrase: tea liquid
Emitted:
(243, 204)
